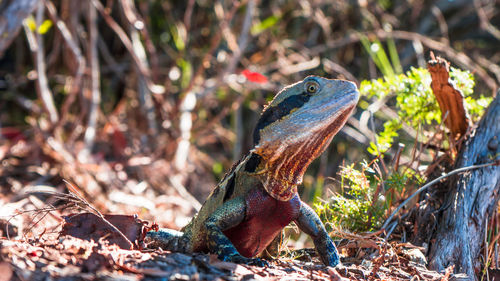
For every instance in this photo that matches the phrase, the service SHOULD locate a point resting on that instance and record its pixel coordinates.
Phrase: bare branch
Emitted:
(458, 57)
(145, 97)
(484, 21)
(77, 53)
(157, 89)
(95, 98)
(35, 42)
(432, 182)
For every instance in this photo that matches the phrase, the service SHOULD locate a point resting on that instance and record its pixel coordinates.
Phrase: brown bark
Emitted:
(472, 199)
(450, 99)
(12, 14)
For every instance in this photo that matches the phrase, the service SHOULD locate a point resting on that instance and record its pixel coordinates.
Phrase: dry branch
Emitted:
(431, 183)
(144, 94)
(95, 92)
(35, 42)
(458, 57)
(157, 89)
(77, 53)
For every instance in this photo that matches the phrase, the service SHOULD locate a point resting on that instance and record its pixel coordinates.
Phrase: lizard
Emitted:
(258, 197)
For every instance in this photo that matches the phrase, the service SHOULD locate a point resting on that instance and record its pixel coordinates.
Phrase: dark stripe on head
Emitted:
(274, 113)
(229, 188)
(253, 163)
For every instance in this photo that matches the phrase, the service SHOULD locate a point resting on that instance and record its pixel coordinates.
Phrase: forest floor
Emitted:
(39, 242)
(69, 258)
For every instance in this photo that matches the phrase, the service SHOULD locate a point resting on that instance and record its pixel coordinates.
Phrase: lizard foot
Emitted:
(245, 260)
(328, 252)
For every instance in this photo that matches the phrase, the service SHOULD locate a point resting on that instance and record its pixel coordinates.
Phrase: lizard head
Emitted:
(297, 126)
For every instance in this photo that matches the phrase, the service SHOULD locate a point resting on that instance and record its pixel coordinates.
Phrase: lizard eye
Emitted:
(312, 87)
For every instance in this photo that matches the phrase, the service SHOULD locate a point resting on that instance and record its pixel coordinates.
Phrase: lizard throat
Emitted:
(281, 173)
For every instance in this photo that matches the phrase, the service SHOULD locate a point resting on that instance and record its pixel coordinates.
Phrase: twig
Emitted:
(199, 131)
(214, 43)
(12, 15)
(188, 14)
(139, 23)
(185, 125)
(239, 132)
(150, 46)
(36, 46)
(427, 185)
(390, 230)
(458, 57)
(43, 83)
(157, 89)
(95, 98)
(243, 39)
(443, 27)
(74, 190)
(484, 21)
(236, 47)
(293, 68)
(77, 53)
(175, 181)
(329, 65)
(488, 64)
(145, 97)
(132, 17)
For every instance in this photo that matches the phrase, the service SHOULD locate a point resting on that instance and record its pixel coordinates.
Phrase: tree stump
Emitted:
(473, 197)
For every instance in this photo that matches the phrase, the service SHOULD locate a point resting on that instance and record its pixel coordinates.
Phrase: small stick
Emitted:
(73, 189)
(156, 89)
(454, 172)
(95, 93)
(35, 42)
(77, 53)
(145, 98)
(458, 57)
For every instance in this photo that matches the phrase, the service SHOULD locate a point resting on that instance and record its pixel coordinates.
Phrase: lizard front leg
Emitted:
(309, 222)
(226, 216)
(168, 239)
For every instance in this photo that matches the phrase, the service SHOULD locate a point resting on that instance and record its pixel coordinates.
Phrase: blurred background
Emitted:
(145, 105)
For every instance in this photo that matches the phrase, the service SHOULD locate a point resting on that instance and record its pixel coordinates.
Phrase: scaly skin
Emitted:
(258, 197)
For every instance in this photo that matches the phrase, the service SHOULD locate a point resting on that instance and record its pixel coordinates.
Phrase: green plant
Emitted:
(354, 206)
(377, 53)
(364, 196)
(398, 183)
(415, 103)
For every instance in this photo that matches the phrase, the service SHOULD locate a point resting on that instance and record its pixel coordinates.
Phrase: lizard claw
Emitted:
(244, 260)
